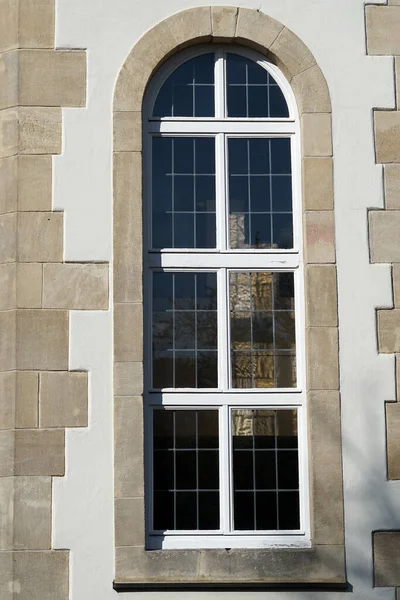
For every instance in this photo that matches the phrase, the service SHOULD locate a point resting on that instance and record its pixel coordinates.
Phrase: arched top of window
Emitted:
(221, 83)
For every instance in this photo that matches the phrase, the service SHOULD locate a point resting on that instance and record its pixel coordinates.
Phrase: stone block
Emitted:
(397, 79)
(26, 400)
(292, 56)
(127, 131)
(387, 135)
(9, 132)
(39, 452)
(191, 24)
(9, 79)
(384, 235)
(386, 546)
(6, 513)
(36, 23)
(396, 284)
(318, 183)
(326, 467)
(42, 575)
(128, 378)
(8, 184)
(42, 340)
(29, 285)
(52, 78)
(254, 25)
(7, 448)
(382, 26)
(75, 286)
(389, 331)
(397, 367)
(8, 25)
(32, 513)
(322, 358)
(7, 403)
(393, 439)
(321, 295)
(40, 237)
(223, 22)
(7, 340)
(6, 570)
(319, 236)
(8, 237)
(127, 227)
(63, 399)
(34, 183)
(391, 173)
(128, 332)
(129, 451)
(7, 286)
(129, 522)
(316, 134)
(311, 91)
(40, 130)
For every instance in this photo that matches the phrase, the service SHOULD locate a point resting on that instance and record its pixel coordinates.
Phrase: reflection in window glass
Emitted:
(260, 193)
(186, 469)
(262, 325)
(183, 192)
(189, 91)
(252, 91)
(265, 469)
(185, 330)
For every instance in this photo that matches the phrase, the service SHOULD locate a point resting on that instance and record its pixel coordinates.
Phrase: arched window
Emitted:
(224, 364)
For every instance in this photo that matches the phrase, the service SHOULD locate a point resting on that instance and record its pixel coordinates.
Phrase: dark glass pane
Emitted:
(240, 330)
(185, 326)
(266, 511)
(186, 510)
(239, 233)
(162, 330)
(163, 429)
(236, 100)
(162, 291)
(236, 69)
(205, 156)
(163, 510)
(205, 230)
(183, 230)
(185, 470)
(207, 373)
(206, 330)
(184, 291)
(182, 100)
(239, 290)
(280, 156)
(185, 369)
(287, 428)
(265, 470)
(163, 103)
(185, 428)
(259, 149)
(162, 155)
(205, 194)
(184, 193)
(243, 470)
(237, 155)
(206, 291)
(281, 193)
(162, 231)
(262, 330)
(183, 155)
(255, 74)
(208, 435)
(261, 290)
(284, 330)
(263, 370)
(260, 230)
(239, 194)
(285, 363)
(163, 470)
(162, 193)
(258, 101)
(208, 510)
(204, 100)
(243, 511)
(282, 230)
(289, 510)
(242, 370)
(162, 369)
(288, 470)
(260, 200)
(284, 291)
(204, 68)
(208, 469)
(277, 103)
(264, 426)
(242, 429)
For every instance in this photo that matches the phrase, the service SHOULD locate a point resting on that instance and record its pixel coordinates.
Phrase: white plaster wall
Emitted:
(83, 500)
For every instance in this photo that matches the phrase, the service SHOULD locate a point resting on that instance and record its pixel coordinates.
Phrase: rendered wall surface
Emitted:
(80, 508)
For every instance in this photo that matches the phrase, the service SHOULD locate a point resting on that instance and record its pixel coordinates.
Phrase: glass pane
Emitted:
(183, 192)
(252, 91)
(260, 193)
(265, 469)
(185, 330)
(262, 329)
(189, 90)
(185, 469)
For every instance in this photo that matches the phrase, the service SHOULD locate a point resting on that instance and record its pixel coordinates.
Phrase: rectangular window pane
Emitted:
(265, 469)
(185, 469)
(183, 192)
(260, 193)
(184, 330)
(262, 328)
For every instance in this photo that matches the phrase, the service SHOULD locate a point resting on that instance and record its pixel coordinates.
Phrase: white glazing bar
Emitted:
(224, 468)
(207, 127)
(220, 191)
(203, 261)
(219, 84)
(223, 350)
(260, 397)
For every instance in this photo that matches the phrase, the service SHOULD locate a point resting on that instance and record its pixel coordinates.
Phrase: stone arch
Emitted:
(324, 561)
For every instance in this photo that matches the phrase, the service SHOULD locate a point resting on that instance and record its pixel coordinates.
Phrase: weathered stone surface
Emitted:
(75, 286)
(42, 340)
(27, 400)
(393, 439)
(34, 182)
(39, 452)
(384, 232)
(29, 285)
(129, 522)
(127, 131)
(319, 236)
(8, 184)
(128, 435)
(311, 91)
(386, 546)
(128, 332)
(42, 575)
(6, 513)
(316, 134)
(292, 56)
(223, 22)
(7, 340)
(7, 395)
(387, 135)
(397, 79)
(32, 513)
(322, 358)
(396, 284)
(63, 399)
(389, 331)
(321, 295)
(383, 24)
(8, 25)
(8, 237)
(39, 130)
(7, 286)
(191, 24)
(6, 574)
(7, 447)
(36, 23)
(257, 28)
(8, 132)
(318, 183)
(9, 79)
(40, 237)
(128, 378)
(392, 186)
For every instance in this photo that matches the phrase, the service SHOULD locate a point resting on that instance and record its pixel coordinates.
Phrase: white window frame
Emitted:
(222, 260)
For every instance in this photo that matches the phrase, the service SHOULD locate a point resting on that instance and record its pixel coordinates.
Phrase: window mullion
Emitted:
(219, 84)
(225, 471)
